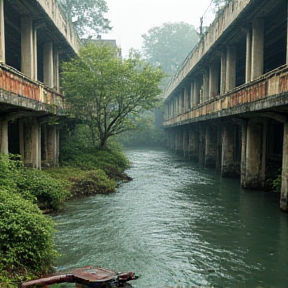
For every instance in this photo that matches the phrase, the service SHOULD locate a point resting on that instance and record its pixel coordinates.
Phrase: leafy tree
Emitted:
(87, 16)
(168, 45)
(107, 92)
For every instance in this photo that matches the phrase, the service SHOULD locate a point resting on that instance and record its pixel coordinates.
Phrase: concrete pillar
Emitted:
(4, 137)
(201, 156)
(210, 147)
(174, 107)
(219, 148)
(50, 143)
(193, 144)
(205, 86)
(228, 167)
(231, 68)
(21, 138)
(28, 48)
(182, 101)
(186, 100)
(56, 79)
(243, 153)
(191, 95)
(223, 74)
(248, 57)
(32, 143)
(178, 141)
(255, 156)
(48, 67)
(2, 33)
(185, 141)
(284, 176)
(257, 50)
(196, 92)
(213, 80)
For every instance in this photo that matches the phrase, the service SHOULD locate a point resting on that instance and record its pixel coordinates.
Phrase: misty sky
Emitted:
(132, 18)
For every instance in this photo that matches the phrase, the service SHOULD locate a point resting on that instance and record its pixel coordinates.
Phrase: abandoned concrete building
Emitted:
(227, 105)
(34, 39)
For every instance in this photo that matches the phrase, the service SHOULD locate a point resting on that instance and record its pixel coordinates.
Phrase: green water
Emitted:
(178, 225)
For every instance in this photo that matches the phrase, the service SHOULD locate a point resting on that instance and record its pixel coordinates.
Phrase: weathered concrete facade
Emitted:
(234, 106)
(34, 39)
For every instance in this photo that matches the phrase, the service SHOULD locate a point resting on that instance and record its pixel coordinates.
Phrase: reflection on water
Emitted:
(178, 225)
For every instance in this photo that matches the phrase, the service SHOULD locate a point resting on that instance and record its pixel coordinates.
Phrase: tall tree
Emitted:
(107, 92)
(168, 45)
(87, 16)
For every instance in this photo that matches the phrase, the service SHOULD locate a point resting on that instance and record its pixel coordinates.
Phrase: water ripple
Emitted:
(178, 225)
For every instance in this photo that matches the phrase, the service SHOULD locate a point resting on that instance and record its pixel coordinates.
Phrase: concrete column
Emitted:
(182, 101)
(173, 139)
(50, 148)
(179, 141)
(284, 176)
(56, 70)
(193, 144)
(35, 60)
(177, 109)
(32, 144)
(255, 156)
(219, 148)
(21, 138)
(243, 153)
(196, 92)
(4, 137)
(174, 107)
(186, 100)
(223, 74)
(257, 50)
(201, 156)
(231, 68)
(28, 45)
(248, 57)
(206, 86)
(48, 68)
(228, 167)
(191, 95)
(213, 80)
(210, 147)
(185, 141)
(2, 33)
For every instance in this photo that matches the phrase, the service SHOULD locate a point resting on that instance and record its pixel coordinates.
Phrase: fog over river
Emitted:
(177, 224)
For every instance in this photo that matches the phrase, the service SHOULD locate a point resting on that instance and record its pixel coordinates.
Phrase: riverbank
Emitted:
(26, 234)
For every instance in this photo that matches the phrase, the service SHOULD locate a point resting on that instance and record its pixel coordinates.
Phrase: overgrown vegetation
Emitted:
(26, 234)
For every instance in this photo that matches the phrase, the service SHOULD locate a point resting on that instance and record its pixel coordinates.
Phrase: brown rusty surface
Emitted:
(264, 91)
(92, 274)
(16, 83)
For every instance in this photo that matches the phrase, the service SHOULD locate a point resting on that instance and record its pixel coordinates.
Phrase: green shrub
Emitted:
(10, 171)
(276, 184)
(48, 192)
(93, 182)
(26, 235)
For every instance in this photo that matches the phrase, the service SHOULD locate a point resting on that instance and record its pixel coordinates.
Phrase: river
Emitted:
(178, 225)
